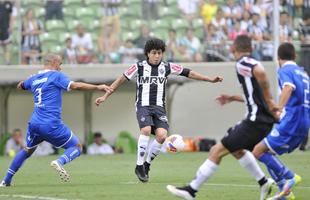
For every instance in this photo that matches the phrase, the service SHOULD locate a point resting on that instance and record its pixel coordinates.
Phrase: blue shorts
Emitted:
(281, 143)
(59, 135)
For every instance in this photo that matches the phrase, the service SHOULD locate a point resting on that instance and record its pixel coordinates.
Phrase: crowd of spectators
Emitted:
(220, 23)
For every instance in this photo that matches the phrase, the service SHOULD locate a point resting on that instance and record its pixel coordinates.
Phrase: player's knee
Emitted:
(238, 154)
(256, 152)
(161, 137)
(146, 130)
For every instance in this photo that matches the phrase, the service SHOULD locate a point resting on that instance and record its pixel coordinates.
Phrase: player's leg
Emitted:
(155, 147)
(204, 172)
(145, 123)
(32, 141)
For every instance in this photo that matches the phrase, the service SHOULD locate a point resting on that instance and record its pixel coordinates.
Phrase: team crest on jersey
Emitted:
(161, 71)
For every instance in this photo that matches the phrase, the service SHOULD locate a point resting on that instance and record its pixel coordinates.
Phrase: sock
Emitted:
(153, 151)
(15, 165)
(205, 171)
(142, 146)
(276, 166)
(249, 163)
(70, 154)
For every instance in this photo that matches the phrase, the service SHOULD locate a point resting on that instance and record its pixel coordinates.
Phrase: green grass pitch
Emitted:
(113, 178)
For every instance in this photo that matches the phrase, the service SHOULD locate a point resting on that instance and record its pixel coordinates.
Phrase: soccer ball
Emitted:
(175, 143)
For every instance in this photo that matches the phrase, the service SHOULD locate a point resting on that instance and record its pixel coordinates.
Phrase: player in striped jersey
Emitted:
(246, 134)
(151, 78)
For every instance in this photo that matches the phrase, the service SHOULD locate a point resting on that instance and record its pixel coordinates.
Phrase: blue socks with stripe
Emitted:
(70, 154)
(15, 165)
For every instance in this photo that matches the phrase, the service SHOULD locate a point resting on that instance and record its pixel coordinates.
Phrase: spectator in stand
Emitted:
(99, 147)
(246, 4)
(219, 21)
(235, 31)
(189, 8)
(69, 54)
(174, 52)
(15, 143)
(306, 7)
(286, 30)
(129, 53)
(264, 9)
(215, 44)
(54, 9)
(305, 42)
(82, 43)
(232, 12)
(256, 32)
(108, 45)
(111, 15)
(150, 9)
(142, 38)
(291, 10)
(208, 10)
(31, 45)
(245, 21)
(7, 17)
(192, 45)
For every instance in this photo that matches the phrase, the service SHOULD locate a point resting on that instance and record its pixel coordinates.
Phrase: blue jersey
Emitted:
(47, 87)
(296, 117)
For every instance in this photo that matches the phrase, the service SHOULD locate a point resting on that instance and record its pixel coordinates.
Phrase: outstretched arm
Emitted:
(200, 77)
(87, 86)
(263, 81)
(114, 86)
(225, 99)
(20, 85)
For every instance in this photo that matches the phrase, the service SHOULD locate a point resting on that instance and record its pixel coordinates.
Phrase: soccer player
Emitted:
(294, 123)
(246, 134)
(151, 78)
(45, 123)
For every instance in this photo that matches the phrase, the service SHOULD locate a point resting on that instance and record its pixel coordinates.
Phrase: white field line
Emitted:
(21, 196)
(209, 184)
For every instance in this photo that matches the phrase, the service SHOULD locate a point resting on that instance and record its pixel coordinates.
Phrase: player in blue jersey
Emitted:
(294, 122)
(45, 123)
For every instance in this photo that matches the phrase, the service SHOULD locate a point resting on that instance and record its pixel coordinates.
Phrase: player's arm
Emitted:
(87, 86)
(285, 96)
(197, 76)
(225, 99)
(119, 81)
(262, 79)
(20, 85)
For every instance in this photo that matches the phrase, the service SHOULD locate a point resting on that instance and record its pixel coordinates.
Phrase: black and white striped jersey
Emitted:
(151, 81)
(257, 109)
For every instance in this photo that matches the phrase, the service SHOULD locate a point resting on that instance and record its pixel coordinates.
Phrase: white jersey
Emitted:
(151, 81)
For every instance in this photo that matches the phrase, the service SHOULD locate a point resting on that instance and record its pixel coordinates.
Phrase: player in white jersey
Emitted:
(151, 78)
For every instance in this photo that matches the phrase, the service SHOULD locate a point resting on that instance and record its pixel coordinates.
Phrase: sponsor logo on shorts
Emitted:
(274, 133)
(142, 119)
(164, 118)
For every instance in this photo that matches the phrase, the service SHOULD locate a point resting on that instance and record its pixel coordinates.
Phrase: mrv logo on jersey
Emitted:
(152, 80)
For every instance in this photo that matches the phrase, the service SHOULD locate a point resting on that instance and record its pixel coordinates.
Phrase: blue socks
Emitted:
(15, 165)
(276, 169)
(70, 154)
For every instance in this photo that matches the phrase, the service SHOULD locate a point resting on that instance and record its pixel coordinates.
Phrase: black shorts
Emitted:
(245, 135)
(4, 35)
(154, 116)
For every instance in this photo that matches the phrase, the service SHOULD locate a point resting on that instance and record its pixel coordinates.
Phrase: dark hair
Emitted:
(243, 43)
(154, 44)
(283, 13)
(306, 16)
(286, 51)
(172, 30)
(97, 134)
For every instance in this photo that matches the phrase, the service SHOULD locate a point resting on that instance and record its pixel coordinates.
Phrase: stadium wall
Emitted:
(194, 113)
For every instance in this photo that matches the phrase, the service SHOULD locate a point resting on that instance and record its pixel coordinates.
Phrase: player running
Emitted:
(294, 123)
(45, 123)
(246, 134)
(151, 78)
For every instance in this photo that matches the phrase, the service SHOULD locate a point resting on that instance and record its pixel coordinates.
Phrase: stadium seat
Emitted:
(161, 33)
(73, 3)
(136, 24)
(91, 24)
(160, 24)
(49, 37)
(199, 32)
(40, 13)
(197, 23)
(69, 13)
(93, 3)
(129, 35)
(71, 25)
(167, 13)
(54, 25)
(180, 25)
(32, 4)
(125, 25)
(82, 12)
(62, 36)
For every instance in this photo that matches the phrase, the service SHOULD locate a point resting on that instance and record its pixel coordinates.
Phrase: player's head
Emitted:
(286, 51)
(153, 50)
(242, 45)
(52, 61)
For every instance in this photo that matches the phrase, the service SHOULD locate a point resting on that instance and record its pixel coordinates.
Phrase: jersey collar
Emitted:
(45, 70)
(289, 63)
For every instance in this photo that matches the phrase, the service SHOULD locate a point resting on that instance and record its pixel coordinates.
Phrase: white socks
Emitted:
(248, 162)
(142, 146)
(205, 171)
(153, 151)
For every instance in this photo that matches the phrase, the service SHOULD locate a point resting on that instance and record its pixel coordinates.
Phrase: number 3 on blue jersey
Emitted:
(38, 96)
(307, 89)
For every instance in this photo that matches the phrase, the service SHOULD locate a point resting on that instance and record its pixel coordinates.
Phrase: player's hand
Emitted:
(106, 88)
(223, 99)
(99, 100)
(216, 79)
